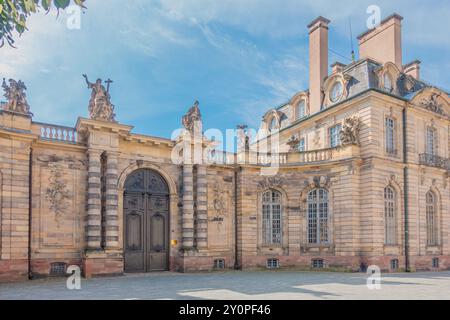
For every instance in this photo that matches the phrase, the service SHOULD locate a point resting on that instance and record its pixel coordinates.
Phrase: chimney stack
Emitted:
(337, 67)
(318, 61)
(413, 69)
(383, 43)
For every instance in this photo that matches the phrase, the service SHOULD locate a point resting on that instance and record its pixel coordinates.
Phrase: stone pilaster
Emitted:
(111, 201)
(94, 205)
(188, 207)
(202, 209)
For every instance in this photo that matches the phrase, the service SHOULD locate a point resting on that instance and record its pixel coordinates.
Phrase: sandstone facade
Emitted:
(64, 191)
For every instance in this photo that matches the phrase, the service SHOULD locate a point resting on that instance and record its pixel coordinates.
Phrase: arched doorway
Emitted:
(146, 222)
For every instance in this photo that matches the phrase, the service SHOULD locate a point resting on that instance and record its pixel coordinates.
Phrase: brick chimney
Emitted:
(413, 69)
(383, 43)
(318, 61)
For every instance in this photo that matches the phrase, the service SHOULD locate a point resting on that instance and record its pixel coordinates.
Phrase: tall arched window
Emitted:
(271, 222)
(390, 224)
(273, 124)
(318, 229)
(432, 230)
(301, 109)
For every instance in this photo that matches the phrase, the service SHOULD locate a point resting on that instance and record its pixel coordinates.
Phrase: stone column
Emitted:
(202, 208)
(111, 194)
(188, 207)
(94, 205)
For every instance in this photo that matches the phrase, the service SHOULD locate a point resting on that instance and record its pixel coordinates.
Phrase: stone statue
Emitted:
(243, 138)
(192, 120)
(350, 131)
(100, 106)
(293, 143)
(16, 97)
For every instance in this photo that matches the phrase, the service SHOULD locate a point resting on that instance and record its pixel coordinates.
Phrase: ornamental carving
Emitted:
(350, 131)
(270, 183)
(16, 97)
(431, 103)
(57, 194)
(100, 106)
(293, 143)
(192, 120)
(219, 205)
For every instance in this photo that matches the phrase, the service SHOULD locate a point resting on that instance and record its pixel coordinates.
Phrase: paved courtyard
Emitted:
(238, 285)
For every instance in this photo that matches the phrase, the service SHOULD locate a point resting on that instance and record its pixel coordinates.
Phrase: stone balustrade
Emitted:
(285, 158)
(56, 133)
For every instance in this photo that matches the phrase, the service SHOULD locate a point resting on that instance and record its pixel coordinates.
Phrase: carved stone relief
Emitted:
(349, 134)
(269, 183)
(57, 194)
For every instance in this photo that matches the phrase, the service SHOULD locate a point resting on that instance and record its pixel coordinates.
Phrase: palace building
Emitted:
(352, 172)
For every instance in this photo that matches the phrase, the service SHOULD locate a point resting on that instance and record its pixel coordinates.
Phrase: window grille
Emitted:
(432, 234)
(431, 141)
(317, 263)
(301, 109)
(273, 263)
(334, 136)
(435, 262)
(390, 216)
(390, 135)
(219, 264)
(318, 232)
(58, 269)
(301, 145)
(394, 264)
(271, 226)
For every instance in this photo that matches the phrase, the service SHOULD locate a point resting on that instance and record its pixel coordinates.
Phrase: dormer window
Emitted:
(284, 121)
(336, 92)
(301, 109)
(387, 82)
(273, 124)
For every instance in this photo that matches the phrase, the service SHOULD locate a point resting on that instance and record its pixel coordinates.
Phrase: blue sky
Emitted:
(237, 57)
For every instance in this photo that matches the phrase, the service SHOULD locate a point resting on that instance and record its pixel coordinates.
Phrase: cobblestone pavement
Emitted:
(238, 285)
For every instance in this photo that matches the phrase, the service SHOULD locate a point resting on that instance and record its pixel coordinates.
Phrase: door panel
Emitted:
(146, 218)
(134, 233)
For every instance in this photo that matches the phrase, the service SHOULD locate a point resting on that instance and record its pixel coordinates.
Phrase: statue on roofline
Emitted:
(192, 120)
(100, 106)
(16, 97)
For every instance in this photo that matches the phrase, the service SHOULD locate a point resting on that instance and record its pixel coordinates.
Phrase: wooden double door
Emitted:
(146, 222)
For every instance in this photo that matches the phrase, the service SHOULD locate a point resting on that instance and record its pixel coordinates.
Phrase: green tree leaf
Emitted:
(14, 14)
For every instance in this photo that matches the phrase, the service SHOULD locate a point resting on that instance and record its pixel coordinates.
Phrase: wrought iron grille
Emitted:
(58, 269)
(273, 263)
(434, 161)
(317, 263)
(219, 264)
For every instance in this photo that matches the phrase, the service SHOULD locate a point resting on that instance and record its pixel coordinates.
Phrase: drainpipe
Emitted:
(236, 247)
(405, 188)
(30, 202)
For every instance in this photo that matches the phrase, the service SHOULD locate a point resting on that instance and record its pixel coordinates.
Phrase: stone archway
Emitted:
(146, 212)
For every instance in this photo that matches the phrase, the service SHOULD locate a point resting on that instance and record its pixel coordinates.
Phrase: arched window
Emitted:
(318, 232)
(390, 215)
(387, 82)
(271, 220)
(301, 109)
(273, 124)
(432, 231)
